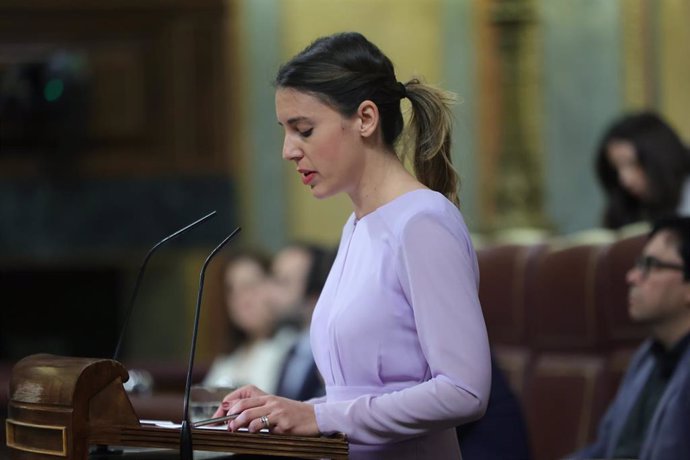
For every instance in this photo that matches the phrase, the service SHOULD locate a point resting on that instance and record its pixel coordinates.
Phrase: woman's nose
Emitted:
(627, 179)
(290, 150)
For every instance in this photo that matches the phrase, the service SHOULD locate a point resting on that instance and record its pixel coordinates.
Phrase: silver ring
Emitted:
(264, 420)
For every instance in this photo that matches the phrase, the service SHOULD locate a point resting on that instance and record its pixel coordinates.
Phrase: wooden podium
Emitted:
(59, 406)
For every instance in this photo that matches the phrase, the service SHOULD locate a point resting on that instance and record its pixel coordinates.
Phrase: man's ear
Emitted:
(368, 114)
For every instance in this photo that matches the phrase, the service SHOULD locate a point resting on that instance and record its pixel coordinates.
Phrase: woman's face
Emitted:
(325, 146)
(245, 282)
(623, 158)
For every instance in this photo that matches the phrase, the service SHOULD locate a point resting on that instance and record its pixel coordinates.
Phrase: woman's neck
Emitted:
(257, 337)
(383, 179)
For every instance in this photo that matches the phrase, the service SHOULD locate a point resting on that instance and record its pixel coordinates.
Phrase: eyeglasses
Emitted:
(646, 263)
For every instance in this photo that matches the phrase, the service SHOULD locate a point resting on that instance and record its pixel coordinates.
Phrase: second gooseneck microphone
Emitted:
(116, 354)
(186, 449)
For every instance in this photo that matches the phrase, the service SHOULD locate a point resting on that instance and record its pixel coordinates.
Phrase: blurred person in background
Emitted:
(261, 347)
(649, 418)
(290, 269)
(299, 377)
(502, 433)
(644, 169)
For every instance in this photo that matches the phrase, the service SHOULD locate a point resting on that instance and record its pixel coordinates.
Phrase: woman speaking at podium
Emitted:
(398, 333)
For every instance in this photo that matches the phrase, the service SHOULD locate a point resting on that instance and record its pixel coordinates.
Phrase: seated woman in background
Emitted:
(644, 169)
(261, 348)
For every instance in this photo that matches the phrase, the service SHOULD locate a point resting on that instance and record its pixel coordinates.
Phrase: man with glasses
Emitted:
(650, 416)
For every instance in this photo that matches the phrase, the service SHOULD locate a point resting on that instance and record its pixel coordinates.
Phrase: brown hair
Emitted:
(345, 69)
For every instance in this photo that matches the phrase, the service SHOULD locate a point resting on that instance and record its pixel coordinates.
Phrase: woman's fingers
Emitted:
(282, 416)
(242, 405)
(259, 424)
(250, 418)
(247, 391)
(221, 411)
(224, 408)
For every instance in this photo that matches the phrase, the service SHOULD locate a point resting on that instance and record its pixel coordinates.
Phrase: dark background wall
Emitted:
(113, 134)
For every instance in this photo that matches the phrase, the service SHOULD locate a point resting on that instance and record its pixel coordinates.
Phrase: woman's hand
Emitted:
(258, 410)
(247, 391)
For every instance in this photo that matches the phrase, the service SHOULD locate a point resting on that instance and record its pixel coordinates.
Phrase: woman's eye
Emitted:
(306, 133)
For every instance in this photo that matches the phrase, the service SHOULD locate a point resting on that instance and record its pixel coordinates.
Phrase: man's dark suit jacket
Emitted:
(668, 434)
(502, 433)
(310, 385)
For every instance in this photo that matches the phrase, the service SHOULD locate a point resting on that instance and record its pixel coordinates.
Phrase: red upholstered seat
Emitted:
(515, 363)
(561, 307)
(564, 399)
(504, 271)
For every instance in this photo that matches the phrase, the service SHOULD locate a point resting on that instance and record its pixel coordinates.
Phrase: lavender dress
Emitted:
(398, 333)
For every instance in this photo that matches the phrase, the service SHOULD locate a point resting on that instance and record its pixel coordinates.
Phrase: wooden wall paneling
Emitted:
(158, 78)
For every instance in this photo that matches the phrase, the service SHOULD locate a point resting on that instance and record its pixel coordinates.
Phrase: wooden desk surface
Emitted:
(128, 453)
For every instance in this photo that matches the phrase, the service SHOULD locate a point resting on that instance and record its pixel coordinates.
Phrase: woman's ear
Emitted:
(368, 114)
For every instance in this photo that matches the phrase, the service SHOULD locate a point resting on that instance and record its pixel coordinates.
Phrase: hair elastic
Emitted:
(403, 90)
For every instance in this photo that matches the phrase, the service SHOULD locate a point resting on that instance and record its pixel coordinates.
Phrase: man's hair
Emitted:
(680, 226)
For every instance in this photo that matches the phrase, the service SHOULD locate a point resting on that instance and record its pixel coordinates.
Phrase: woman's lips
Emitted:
(308, 177)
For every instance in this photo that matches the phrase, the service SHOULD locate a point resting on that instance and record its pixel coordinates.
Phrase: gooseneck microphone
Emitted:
(116, 355)
(103, 449)
(186, 449)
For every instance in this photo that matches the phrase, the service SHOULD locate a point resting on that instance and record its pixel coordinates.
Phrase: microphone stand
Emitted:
(186, 448)
(116, 354)
(103, 449)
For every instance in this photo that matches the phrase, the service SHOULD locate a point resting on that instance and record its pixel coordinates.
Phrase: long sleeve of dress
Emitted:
(437, 271)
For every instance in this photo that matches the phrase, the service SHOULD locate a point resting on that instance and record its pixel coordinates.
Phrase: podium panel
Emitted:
(59, 406)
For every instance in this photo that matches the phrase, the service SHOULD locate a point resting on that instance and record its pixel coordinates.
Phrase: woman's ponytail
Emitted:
(431, 126)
